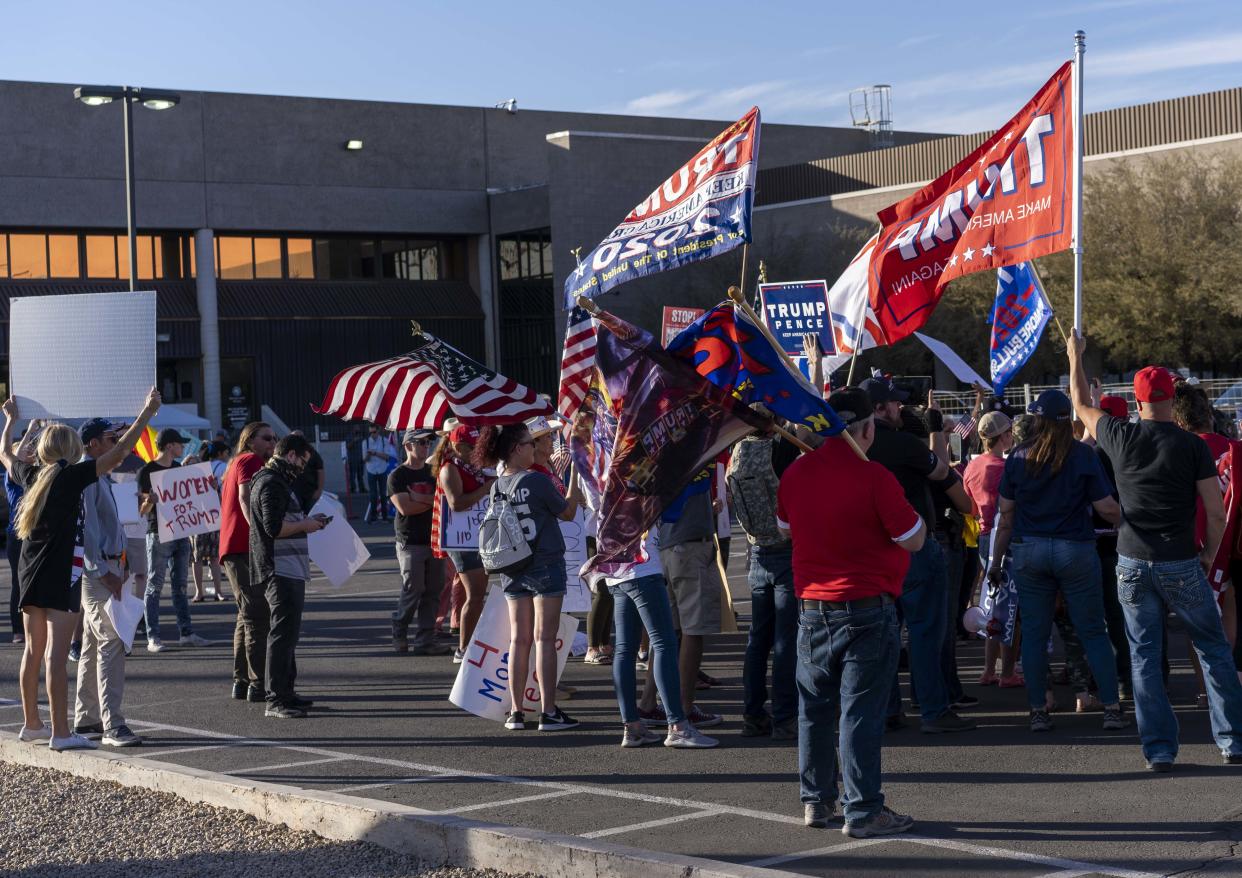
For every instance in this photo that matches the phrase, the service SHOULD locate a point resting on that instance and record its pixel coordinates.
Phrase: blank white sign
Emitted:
(82, 356)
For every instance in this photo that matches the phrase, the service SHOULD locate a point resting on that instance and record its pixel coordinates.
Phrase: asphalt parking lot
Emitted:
(996, 801)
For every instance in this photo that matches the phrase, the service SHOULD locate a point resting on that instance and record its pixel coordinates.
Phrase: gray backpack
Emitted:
(502, 544)
(752, 485)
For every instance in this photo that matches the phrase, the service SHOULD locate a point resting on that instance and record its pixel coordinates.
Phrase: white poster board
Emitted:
(459, 531)
(482, 685)
(337, 549)
(125, 612)
(578, 593)
(56, 374)
(960, 368)
(187, 501)
(126, 495)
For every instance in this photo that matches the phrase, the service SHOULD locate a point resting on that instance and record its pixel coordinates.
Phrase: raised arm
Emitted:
(573, 497)
(1080, 389)
(6, 442)
(815, 359)
(111, 459)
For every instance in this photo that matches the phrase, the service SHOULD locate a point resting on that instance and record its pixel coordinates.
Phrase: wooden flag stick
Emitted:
(736, 295)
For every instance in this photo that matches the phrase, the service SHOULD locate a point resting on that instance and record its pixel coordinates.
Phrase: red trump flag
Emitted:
(1008, 201)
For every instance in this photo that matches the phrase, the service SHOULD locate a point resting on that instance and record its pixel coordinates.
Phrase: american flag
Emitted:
(423, 387)
(577, 362)
(965, 426)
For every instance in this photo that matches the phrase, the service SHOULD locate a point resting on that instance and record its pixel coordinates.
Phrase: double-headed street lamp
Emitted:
(97, 96)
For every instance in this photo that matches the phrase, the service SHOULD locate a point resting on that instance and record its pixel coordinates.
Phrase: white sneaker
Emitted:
(193, 640)
(639, 739)
(30, 736)
(689, 738)
(155, 645)
(73, 742)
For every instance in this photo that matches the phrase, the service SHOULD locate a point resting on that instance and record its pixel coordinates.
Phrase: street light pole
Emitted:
(127, 109)
(97, 96)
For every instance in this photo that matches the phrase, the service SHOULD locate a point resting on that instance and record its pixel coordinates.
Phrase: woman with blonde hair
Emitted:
(50, 569)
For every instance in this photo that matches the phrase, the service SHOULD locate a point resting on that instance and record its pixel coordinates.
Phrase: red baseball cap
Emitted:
(1115, 406)
(1153, 384)
(464, 433)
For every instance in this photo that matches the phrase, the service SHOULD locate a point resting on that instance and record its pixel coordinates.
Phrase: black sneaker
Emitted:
(256, 695)
(121, 736)
(299, 701)
(1160, 766)
(75, 651)
(965, 701)
(756, 726)
(284, 711)
(92, 732)
(1040, 721)
(948, 722)
(555, 722)
(239, 691)
(515, 721)
(1231, 758)
(895, 722)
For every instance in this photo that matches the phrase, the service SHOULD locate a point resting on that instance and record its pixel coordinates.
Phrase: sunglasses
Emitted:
(527, 442)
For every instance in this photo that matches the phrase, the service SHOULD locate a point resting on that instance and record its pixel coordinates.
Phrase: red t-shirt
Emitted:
(1218, 447)
(234, 531)
(845, 516)
(982, 483)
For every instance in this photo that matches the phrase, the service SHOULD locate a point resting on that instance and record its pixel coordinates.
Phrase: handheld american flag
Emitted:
(423, 387)
(577, 362)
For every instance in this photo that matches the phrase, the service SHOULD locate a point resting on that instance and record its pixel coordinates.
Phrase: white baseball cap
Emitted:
(542, 425)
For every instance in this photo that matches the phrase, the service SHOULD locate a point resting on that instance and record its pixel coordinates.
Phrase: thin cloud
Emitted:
(661, 102)
(910, 42)
(1185, 54)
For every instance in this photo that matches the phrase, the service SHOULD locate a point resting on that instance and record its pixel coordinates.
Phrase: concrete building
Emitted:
(280, 256)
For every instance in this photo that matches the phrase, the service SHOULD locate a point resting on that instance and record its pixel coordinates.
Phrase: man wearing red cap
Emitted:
(1161, 470)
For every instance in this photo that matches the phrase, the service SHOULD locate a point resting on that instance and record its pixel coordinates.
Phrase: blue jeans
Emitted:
(924, 607)
(159, 557)
(1042, 566)
(1147, 591)
(538, 581)
(637, 604)
(846, 660)
(955, 560)
(773, 630)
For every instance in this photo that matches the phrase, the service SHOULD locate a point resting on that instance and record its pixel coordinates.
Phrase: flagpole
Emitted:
(1080, 48)
(739, 300)
(861, 325)
(745, 258)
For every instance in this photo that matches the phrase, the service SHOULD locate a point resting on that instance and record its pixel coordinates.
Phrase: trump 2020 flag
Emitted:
(701, 211)
(729, 350)
(1010, 200)
(1018, 319)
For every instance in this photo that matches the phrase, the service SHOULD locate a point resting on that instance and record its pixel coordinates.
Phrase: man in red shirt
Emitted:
(254, 448)
(853, 532)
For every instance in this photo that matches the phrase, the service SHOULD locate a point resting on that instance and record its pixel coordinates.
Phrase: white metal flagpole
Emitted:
(1080, 48)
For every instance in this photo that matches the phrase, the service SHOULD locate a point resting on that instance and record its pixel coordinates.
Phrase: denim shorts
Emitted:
(465, 560)
(542, 581)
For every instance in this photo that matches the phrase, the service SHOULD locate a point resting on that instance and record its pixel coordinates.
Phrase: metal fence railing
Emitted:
(961, 402)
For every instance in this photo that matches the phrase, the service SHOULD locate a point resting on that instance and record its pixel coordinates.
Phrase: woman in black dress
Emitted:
(50, 569)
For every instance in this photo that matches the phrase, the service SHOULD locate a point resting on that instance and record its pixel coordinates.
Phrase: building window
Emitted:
(525, 256)
(410, 260)
(101, 256)
(267, 258)
(63, 255)
(27, 256)
(301, 258)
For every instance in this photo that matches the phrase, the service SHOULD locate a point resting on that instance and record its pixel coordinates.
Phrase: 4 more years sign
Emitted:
(187, 501)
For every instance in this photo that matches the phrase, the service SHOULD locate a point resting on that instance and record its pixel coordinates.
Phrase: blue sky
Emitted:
(954, 67)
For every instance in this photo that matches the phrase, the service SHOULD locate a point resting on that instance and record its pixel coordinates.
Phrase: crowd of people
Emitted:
(1071, 516)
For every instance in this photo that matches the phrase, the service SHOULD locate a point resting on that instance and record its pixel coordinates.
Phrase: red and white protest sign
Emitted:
(1007, 202)
(675, 320)
(187, 501)
(482, 685)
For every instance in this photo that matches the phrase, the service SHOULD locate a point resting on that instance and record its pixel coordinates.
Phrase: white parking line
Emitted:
(701, 809)
(283, 765)
(400, 781)
(817, 852)
(556, 794)
(649, 824)
(155, 751)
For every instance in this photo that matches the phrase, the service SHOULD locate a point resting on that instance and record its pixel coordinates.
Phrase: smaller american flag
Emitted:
(965, 426)
(423, 387)
(577, 362)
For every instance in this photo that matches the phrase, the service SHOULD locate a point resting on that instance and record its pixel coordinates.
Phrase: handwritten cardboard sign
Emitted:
(459, 531)
(578, 593)
(482, 685)
(187, 501)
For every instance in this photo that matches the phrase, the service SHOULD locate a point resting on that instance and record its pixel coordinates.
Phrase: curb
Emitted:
(433, 839)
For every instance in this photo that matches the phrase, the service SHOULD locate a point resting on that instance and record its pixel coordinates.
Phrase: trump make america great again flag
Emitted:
(1008, 201)
(701, 211)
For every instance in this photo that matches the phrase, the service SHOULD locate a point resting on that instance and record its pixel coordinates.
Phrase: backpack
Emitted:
(752, 484)
(502, 543)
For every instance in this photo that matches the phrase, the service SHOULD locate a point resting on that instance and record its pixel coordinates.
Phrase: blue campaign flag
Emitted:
(701, 211)
(792, 310)
(729, 350)
(1018, 318)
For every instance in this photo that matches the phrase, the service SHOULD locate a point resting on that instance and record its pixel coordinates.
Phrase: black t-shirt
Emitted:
(1156, 465)
(308, 481)
(911, 460)
(46, 567)
(144, 487)
(412, 530)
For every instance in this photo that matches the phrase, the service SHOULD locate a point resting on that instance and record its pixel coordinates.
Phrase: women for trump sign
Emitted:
(187, 501)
